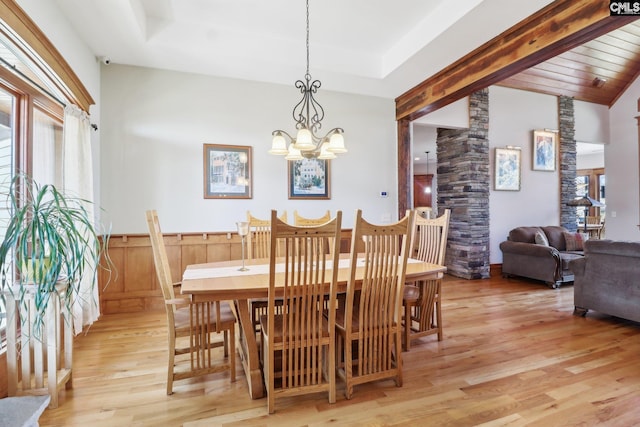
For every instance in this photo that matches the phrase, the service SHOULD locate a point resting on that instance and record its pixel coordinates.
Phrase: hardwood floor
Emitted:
(512, 355)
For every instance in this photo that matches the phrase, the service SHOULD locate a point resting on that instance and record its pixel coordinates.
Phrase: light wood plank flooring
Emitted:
(512, 355)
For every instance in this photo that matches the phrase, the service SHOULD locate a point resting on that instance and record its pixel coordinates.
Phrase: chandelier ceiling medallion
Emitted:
(308, 115)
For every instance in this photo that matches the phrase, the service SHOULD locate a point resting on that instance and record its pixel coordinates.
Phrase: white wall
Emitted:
(452, 116)
(82, 61)
(423, 138)
(591, 122)
(621, 160)
(590, 161)
(156, 122)
(513, 115)
(592, 127)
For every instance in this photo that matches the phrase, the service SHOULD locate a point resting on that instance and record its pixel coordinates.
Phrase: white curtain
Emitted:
(78, 180)
(44, 149)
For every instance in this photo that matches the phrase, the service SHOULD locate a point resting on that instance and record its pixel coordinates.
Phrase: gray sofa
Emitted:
(607, 279)
(522, 256)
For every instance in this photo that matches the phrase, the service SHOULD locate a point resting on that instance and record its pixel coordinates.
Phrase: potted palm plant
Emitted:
(50, 244)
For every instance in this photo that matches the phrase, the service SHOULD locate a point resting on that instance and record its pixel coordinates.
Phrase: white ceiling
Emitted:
(372, 47)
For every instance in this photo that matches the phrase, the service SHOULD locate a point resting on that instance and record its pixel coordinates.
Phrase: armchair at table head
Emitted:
(190, 325)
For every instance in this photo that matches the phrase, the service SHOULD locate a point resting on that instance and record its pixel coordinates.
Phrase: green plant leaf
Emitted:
(51, 237)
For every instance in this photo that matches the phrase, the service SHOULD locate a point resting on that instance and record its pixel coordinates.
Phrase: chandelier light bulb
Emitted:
(336, 143)
(304, 140)
(293, 153)
(325, 153)
(278, 145)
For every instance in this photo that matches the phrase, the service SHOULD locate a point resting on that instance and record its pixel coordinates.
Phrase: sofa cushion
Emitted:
(555, 236)
(541, 238)
(524, 234)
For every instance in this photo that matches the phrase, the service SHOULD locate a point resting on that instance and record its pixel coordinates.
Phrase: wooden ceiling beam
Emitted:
(557, 28)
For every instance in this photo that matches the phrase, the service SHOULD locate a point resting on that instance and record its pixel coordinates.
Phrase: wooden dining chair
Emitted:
(594, 220)
(258, 247)
(191, 325)
(259, 237)
(422, 300)
(298, 338)
(368, 325)
(424, 211)
(301, 221)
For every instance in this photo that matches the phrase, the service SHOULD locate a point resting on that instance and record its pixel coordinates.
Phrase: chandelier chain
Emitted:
(308, 115)
(308, 41)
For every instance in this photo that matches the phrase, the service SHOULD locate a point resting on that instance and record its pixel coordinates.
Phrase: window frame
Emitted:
(594, 190)
(20, 28)
(39, 54)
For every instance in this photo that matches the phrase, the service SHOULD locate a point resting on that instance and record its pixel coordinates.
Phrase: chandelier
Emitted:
(308, 115)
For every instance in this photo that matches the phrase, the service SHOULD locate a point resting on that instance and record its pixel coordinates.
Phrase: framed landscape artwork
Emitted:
(507, 169)
(227, 171)
(544, 150)
(309, 179)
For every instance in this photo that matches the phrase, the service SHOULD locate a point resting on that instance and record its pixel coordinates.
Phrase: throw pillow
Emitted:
(574, 241)
(541, 239)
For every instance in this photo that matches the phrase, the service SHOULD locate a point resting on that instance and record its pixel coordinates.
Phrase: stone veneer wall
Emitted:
(464, 184)
(463, 187)
(567, 164)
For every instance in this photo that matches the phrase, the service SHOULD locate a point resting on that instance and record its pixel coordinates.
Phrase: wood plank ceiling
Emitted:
(576, 35)
(597, 71)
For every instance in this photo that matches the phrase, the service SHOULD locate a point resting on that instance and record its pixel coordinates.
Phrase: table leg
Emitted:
(249, 351)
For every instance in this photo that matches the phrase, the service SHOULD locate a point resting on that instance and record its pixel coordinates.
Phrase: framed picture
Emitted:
(309, 179)
(544, 150)
(227, 171)
(507, 169)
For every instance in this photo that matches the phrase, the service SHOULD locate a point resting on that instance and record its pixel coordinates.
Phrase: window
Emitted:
(26, 99)
(601, 185)
(7, 105)
(36, 151)
(582, 189)
(591, 182)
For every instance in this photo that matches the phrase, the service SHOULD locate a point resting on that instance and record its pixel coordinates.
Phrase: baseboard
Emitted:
(495, 270)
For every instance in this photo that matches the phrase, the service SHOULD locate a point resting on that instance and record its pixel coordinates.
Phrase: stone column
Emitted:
(463, 187)
(567, 164)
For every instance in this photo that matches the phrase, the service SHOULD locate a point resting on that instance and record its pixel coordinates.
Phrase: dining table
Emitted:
(225, 281)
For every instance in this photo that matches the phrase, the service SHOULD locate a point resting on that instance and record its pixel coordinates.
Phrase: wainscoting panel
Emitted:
(132, 285)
